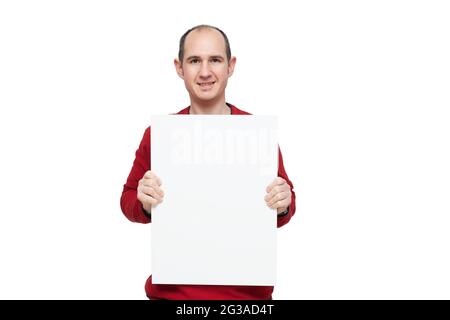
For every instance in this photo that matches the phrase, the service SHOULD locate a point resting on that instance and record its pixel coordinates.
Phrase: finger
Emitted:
(154, 192)
(151, 175)
(277, 181)
(277, 189)
(278, 204)
(273, 199)
(158, 191)
(282, 204)
(272, 194)
(152, 183)
(148, 190)
(277, 198)
(146, 199)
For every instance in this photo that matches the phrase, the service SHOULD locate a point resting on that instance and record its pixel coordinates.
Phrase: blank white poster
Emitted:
(214, 226)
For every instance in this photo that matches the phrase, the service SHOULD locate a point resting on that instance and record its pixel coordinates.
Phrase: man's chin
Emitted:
(206, 97)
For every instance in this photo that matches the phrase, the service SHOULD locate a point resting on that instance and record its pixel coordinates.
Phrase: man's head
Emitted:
(200, 27)
(205, 63)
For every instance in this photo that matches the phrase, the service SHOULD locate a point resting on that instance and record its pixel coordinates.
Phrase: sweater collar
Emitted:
(232, 107)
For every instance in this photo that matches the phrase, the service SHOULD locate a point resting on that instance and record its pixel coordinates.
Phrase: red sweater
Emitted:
(132, 209)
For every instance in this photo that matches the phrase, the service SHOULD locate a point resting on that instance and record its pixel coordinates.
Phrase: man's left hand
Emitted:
(279, 195)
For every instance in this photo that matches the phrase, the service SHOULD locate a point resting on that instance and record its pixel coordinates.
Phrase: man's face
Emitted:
(205, 68)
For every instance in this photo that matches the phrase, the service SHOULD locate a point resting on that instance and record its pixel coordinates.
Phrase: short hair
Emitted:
(200, 27)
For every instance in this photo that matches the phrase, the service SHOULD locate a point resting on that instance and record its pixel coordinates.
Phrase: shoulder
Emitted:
(235, 110)
(183, 111)
(145, 142)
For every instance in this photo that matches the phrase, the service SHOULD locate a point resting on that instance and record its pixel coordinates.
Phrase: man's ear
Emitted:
(231, 65)
(178, 68)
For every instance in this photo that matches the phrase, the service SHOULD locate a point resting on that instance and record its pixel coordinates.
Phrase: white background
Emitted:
(362, 93)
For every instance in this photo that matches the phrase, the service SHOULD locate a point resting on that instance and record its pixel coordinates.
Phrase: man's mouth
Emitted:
(206, 84)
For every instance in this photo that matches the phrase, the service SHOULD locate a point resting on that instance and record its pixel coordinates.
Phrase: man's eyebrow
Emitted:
(211, 57)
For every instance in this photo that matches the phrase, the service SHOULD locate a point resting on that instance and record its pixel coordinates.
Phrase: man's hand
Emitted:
(279, 195)
(149, 192)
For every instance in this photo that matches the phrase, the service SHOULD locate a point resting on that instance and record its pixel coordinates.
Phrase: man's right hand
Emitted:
(149, 191)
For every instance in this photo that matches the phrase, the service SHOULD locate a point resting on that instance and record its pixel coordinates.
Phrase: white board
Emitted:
(214, 226)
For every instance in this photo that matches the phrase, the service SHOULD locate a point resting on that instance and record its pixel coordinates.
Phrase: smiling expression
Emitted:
(205, 68)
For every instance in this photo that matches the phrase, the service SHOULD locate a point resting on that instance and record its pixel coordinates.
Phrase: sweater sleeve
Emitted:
(130, 205)
(281, 221)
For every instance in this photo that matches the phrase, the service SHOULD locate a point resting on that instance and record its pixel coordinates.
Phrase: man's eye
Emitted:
(215, 60)
(194, 61)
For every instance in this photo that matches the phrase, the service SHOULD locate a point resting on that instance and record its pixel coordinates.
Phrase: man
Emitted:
(205, 64)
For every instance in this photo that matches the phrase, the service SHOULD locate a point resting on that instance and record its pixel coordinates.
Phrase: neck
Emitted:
(213, 107)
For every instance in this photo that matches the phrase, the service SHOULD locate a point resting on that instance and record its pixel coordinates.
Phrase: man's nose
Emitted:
(204, 70)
